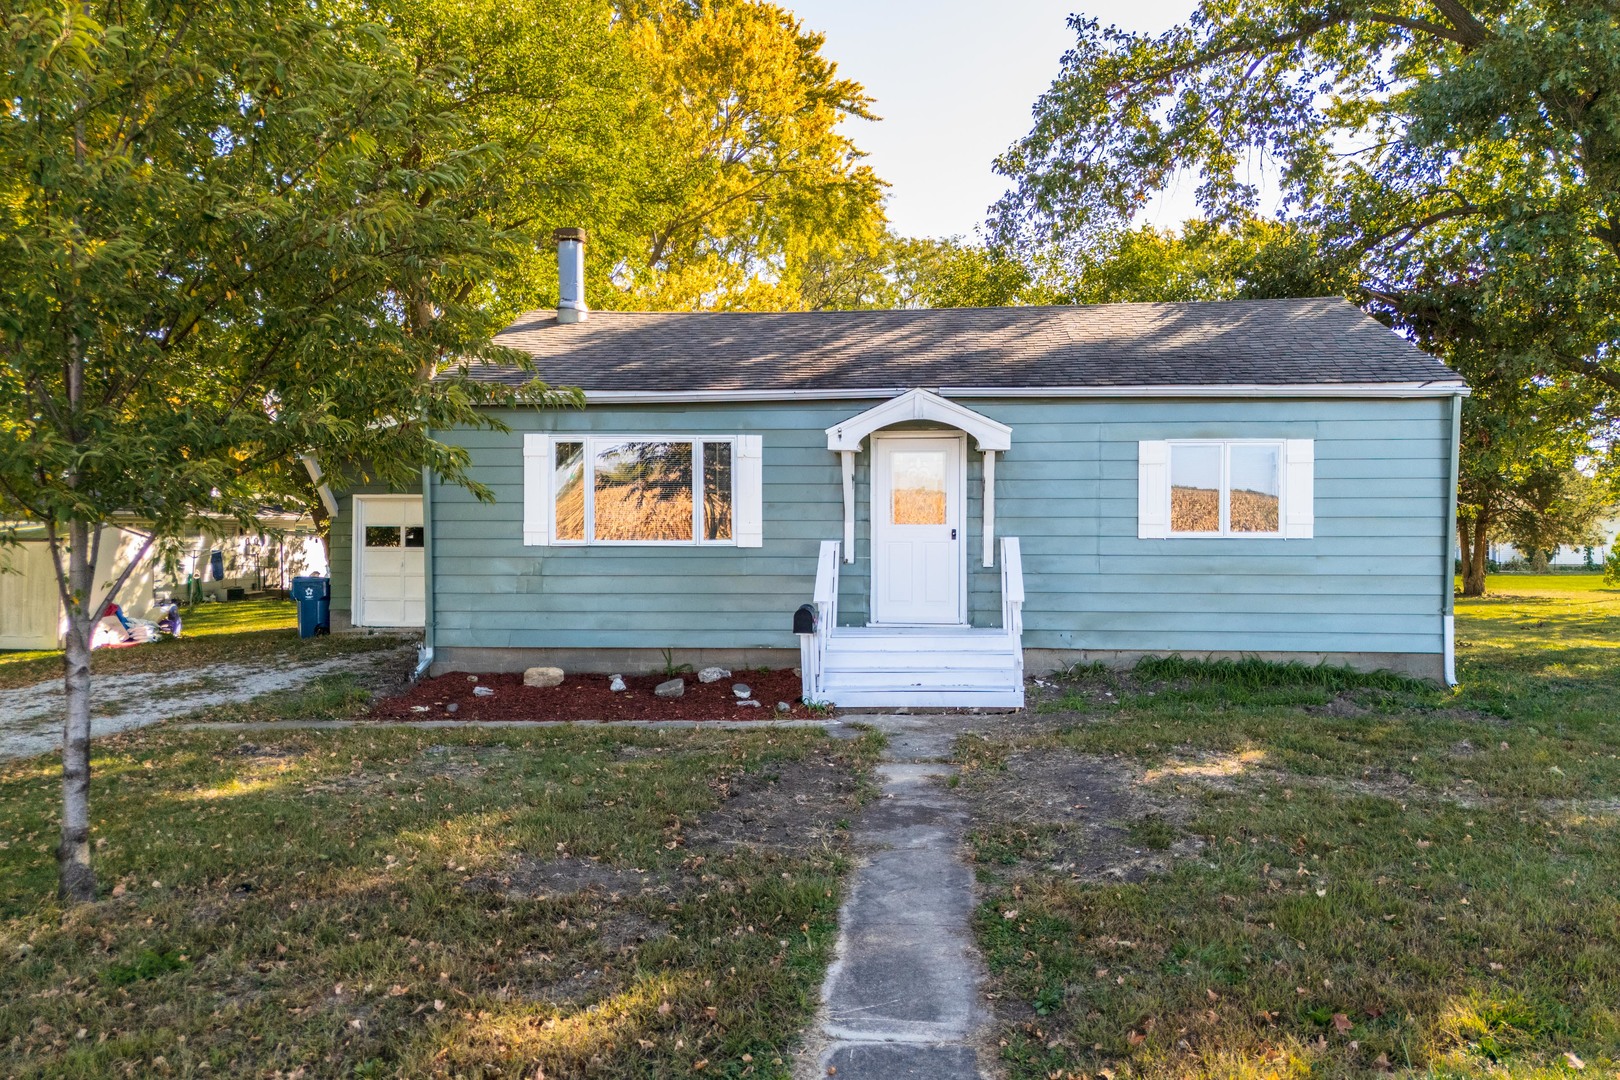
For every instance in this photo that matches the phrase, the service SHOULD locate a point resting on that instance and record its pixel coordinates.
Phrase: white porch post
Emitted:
(848, 457)
(989, 508)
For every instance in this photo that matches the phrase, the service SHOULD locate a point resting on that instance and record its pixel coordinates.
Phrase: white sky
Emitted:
(954, 81)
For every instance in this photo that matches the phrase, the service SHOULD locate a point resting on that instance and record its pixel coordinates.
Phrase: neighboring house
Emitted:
(1566, 557)
(31, 616)
(963, 495)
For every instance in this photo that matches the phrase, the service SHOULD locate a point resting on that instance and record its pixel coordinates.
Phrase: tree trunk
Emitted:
(1473, 539)
(76, 879)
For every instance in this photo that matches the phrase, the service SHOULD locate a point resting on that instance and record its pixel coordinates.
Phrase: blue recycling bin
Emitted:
(313, 595)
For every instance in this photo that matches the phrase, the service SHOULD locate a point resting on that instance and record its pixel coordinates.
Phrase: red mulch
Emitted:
(587, 697)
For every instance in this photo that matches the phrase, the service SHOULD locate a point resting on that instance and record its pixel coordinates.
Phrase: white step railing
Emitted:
(1012, 600)
(813, 647)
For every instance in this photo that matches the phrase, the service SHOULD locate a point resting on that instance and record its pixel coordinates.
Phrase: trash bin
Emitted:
(313, 595)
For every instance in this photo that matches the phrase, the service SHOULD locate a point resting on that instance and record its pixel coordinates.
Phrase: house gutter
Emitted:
(424, 656)
(1231, 390)
(322, 488)
(1448, 599)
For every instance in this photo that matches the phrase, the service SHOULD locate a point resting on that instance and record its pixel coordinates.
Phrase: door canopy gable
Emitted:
(919, 404)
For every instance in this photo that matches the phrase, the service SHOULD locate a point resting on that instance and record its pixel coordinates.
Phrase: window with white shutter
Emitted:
(1226, 487)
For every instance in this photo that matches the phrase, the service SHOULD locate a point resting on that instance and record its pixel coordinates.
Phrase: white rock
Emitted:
(713, 674)
(483, 691)
(543, 677)
(752, 703)
(674, 688)
(782, 706)
(742, 690)
(616, 684)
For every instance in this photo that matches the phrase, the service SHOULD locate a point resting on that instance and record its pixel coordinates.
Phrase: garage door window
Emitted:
(382, 536)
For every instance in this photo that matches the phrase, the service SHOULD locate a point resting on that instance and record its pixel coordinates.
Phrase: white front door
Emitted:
(389, 561)
(917, 530)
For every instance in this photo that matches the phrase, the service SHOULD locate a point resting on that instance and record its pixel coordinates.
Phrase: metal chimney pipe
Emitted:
(571, 276)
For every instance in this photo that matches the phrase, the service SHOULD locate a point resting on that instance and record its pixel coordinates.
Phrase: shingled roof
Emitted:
(1322, 341)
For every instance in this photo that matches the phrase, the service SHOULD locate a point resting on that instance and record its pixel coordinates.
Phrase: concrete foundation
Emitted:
(1036, 661)
(607, 661)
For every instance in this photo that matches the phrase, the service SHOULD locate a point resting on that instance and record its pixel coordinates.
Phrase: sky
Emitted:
(954, 81)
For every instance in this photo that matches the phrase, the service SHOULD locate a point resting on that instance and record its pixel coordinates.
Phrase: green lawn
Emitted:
(1322, 874)
(1364, 874)
(448, 903)
(241, 630)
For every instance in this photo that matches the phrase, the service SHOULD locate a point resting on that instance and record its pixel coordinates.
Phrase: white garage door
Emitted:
(389, 561)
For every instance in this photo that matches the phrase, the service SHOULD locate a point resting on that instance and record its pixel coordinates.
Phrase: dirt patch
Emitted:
(788, 807)
(542, 879)
(1094, 818)
(1341, 707)
(587, 697)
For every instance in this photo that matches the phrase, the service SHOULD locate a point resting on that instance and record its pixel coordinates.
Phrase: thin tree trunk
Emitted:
(76, 878)
(1474, 579)
(1465, 549)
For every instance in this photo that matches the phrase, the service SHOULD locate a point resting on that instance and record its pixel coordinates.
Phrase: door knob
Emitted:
(953, 534)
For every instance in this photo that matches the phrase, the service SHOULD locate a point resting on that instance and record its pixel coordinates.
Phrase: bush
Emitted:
(1611, 566)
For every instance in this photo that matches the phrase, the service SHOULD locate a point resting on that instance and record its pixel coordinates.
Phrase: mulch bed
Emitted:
(587, 697)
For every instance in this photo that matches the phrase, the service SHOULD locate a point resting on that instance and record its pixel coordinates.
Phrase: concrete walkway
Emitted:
(901, 999)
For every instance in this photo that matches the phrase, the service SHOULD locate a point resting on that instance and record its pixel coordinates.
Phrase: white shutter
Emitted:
(750, 508)
(536, 490)
(1299, 491)
(1152, 490)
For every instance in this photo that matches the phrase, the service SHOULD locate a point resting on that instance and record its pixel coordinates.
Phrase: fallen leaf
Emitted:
(700, 1064)
(664, 1008)
(1381, 1062)
(438, 1006)
(1574, 1062)
(1341, 1023)
(1212, 995)
(1010, 913)
(1135, 1038)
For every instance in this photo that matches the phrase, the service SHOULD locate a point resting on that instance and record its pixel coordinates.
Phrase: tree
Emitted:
(1458, 162)
(742, 173)
(215, 221)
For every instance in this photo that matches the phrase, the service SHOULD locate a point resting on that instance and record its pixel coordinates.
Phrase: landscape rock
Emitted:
(616, 684)
(674, 688)
(782, 706)
(713, 674)
(483, 691)
(742, 690)
(749, 702)
(452, 708)
(543, 677)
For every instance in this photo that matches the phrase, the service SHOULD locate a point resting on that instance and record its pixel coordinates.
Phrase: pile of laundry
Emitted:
(117, 630)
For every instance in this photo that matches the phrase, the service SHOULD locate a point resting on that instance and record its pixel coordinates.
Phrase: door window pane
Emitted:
(917, 487)
(382, 536)
(568, 482)
(415, 536)
(643, 491)
(717, 491)
(1254, 483)
(1195, 488)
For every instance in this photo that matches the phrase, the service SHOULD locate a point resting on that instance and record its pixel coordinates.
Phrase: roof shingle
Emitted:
(1222, 343)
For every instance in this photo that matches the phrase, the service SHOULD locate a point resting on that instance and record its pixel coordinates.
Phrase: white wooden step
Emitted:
(919, 662)
(911, 698)
(922, 680)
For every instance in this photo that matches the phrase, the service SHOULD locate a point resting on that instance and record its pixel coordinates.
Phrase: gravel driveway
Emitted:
(31, 716)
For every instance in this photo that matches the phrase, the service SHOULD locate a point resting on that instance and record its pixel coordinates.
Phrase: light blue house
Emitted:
(963, 497)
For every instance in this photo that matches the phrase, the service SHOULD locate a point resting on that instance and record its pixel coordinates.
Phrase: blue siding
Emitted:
(1371, 580)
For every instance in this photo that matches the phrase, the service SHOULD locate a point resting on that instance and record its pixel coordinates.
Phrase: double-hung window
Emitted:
(1226, 487)
(624, 489)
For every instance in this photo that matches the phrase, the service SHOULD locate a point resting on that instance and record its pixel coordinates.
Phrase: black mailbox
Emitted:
(804, 620)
